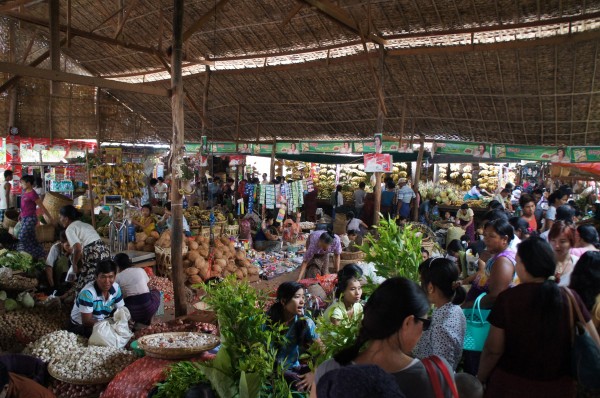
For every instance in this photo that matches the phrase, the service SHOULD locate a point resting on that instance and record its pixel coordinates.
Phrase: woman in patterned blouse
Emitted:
(440, 280)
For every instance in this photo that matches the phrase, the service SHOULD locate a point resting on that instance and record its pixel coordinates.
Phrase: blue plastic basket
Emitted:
(478, 327)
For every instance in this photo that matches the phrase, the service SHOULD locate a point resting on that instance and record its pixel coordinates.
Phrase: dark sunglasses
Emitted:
(426, 322)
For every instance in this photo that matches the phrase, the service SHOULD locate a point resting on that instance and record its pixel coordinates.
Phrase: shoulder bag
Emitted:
(433, 362)
(585, 352)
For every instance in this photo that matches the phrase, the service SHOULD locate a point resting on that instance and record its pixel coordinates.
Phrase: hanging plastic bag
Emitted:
(113, 332)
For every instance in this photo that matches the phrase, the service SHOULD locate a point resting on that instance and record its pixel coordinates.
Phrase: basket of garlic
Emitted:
(177, 345)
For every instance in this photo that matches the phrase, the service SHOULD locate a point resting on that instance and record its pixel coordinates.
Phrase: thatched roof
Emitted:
(518, 71)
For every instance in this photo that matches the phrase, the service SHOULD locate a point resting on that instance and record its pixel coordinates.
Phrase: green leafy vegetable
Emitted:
(181, 376)
(19, 261)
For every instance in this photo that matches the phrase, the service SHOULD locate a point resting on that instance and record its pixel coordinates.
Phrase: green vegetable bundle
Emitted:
(19, 261)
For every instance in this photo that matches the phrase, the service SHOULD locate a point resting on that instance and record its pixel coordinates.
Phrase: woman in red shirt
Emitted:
(29, 199)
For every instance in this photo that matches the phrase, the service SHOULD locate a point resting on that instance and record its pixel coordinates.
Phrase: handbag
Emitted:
(585, 352)
(430, 364)
(478, 327)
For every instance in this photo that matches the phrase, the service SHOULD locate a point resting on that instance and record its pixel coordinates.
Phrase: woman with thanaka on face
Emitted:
(348, 292)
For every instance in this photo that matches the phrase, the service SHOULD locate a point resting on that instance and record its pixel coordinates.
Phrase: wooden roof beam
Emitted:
(127, 13)
(203, 19)
(15, 4)
(28, 71)
(81, 33)
(343, 18)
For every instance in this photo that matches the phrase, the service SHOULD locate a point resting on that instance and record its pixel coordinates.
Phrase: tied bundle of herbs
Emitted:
(395, 251)
(245, 365)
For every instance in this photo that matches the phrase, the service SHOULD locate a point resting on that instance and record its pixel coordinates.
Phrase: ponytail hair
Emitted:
(589, 235)
(539, 261)
(346, 275)
(389, 305)
(443, 274)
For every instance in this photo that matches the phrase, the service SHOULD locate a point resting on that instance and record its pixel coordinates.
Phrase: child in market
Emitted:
(348, 292)
(146, 223)
(57, 265)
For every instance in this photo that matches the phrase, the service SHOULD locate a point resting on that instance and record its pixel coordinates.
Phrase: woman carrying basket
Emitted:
(29, 200)
(88, 248)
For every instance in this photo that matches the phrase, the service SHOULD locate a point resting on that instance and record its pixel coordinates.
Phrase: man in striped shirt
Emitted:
(97, 300)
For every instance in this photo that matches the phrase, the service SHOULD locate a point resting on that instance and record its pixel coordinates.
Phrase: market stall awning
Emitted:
(343, 159)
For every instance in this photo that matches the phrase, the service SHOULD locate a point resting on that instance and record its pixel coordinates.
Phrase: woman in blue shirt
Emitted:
(387, 199)
(289, 310)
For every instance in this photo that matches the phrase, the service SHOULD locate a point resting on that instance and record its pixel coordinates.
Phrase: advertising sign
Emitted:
(533, 153)
(583, 154)
(342, 147)
(477, 150)
(378, 162)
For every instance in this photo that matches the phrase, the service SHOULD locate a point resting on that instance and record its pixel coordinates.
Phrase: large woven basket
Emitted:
(53, 202)
(175, 353)
(163, 260)
(52, 372)
(45, 233)
(11, 218)
(232, 230)
(352, 256)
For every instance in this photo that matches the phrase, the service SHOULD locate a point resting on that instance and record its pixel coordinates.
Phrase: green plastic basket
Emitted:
(478, 327)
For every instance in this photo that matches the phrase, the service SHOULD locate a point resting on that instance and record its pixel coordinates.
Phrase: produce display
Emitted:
(19, 261)
(17, 282)
(488, 177)
(71, 359)
(25, 325)
(126, 180)
(177, 325)
(68, 390)
(164, 240)
(165, 286)
(197, 217)
(179, 340)
(144, 242)
(307, 225)
(202, 262)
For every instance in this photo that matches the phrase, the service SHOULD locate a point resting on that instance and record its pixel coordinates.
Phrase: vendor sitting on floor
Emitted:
(141, 302)
(300, 333)
(147, 222)
(290, 229)
(97, 300)
(348, 293)
(57, 265)
(266, 238)
(316, 258)
(13, 385)
(166, 222)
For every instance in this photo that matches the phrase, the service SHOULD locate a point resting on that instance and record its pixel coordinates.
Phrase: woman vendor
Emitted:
(466, 217)
(141, 302)
(316, 257)
(147, 222)
(29, 199)
(300, 333)
(266, 238)
(348, 292)
(88, 247)
(290, 229)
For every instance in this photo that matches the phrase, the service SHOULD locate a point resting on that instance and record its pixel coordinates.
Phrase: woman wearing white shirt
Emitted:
(88, 248)
(141, 302)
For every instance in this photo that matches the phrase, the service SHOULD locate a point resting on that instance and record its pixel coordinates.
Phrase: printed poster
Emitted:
(378, 162)
(477, 150)
(369, 146)
(341, 147)
(290, 148)
(263, 149)
(533, 153)
(582, 154)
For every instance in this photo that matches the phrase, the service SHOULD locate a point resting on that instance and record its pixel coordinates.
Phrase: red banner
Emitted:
(378, 162)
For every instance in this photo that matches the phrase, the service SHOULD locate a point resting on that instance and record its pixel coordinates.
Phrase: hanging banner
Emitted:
(262, 149)
(378, 162)
(290, 148)
(12, 150)
(237, 160)
(245, 148)
(533, 153)
(583, 154)
(343, 147)
(193, 148)
(2, 151)
(477, 150)
(369, 146)
(223, 147)
(113, 155)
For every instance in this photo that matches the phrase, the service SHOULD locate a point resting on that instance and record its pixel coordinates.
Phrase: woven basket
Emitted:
(205, 232)
(352, 256)
(232, 230)
(11, 218)
(52, 372)
(53, 202)
(175, 353)
(163, 260)
(45, 233)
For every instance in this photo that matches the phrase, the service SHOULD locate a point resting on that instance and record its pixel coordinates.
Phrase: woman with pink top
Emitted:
(29, 200)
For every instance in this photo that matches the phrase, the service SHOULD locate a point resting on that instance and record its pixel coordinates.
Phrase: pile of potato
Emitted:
(201, 263)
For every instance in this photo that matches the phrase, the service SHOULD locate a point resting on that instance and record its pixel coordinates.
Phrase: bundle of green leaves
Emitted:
(19, 261)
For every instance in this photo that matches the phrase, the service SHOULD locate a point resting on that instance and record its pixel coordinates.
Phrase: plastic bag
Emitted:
(112, 332)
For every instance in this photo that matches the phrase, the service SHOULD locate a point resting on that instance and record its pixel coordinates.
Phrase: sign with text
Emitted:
(343, 147)
(584, 154)
(477, 150)
(533, 153)
(369, 146)
(378, 162)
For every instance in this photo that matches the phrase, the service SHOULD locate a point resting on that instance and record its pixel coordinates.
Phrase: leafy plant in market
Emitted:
(395, 251)
(181, 376)
(246, 365)
(19, 261)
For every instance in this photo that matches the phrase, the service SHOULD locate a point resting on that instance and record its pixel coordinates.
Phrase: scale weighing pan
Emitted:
(139, 256)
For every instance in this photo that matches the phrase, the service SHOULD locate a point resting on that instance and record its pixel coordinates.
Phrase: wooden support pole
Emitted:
(12, 95)
(89, 178)
(237, 147)
(205, 100)
(177, 142)
(69, 14)
(272, 175)
(54, 18)
(415, 210)
(379, 130)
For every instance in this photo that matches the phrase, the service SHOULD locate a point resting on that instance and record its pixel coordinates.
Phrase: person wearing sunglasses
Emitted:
(440, 280)
(394, 319)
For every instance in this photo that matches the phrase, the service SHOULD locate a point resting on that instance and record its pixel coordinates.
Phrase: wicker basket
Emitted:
(52, 372)
(45, 233)
(175, 353)
(232, 230)
(205, 232)
(53, 202)
(352, 256)
(163, 260)
(11, 218)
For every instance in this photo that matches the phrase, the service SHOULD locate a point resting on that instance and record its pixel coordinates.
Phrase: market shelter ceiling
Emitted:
(504, 71)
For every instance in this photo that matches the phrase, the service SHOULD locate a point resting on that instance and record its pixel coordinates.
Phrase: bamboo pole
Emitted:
(415, 210)
(380, 119)
(177, 98)
(273, 160)
(89, 178)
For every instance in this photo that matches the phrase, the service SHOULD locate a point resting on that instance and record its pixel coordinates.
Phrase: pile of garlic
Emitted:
(73, 359)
